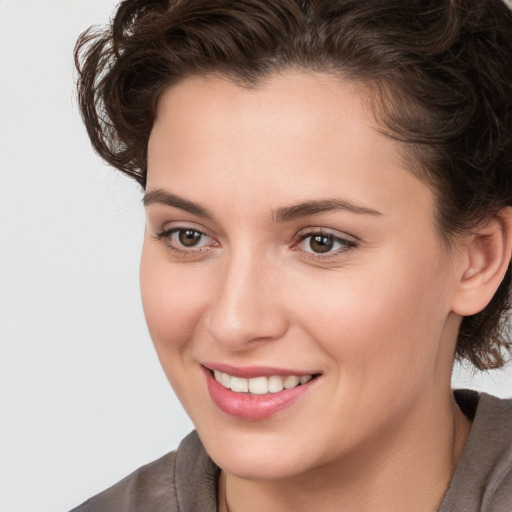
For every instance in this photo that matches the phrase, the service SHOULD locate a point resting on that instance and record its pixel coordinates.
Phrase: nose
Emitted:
(245, 306)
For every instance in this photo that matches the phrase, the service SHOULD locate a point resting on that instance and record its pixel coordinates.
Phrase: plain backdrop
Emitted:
(83, 400)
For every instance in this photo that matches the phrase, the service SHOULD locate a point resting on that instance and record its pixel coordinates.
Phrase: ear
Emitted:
(484, 262)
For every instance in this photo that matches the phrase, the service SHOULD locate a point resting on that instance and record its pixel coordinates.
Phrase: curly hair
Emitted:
(439, 74)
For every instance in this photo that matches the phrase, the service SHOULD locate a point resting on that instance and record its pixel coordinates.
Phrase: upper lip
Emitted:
(249, 372)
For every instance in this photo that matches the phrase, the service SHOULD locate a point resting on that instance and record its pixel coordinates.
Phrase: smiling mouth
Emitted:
(256, 393)
(261, 385)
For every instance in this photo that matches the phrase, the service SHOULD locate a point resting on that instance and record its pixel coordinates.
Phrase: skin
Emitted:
(377, 316)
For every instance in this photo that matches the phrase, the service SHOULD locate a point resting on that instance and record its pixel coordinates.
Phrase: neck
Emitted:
(405, 468)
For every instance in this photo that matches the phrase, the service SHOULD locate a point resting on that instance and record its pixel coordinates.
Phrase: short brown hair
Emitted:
(440, 72)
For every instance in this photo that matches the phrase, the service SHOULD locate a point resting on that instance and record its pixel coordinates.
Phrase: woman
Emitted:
(329, 224)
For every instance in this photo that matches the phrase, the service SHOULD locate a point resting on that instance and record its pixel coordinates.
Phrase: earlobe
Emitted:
(487, 257)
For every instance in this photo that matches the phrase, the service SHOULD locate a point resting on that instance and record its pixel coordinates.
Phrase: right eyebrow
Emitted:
(159, 196)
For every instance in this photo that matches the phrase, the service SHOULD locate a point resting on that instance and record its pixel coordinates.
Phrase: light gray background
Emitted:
(83, 400)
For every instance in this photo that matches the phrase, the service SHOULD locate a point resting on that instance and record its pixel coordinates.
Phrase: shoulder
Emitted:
(181, 480)
(498, 486)
(151, 485)
(483, 479)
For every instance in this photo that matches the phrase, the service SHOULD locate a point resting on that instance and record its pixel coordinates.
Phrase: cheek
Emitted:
(173, 309)
(387, 318)
(172, 304)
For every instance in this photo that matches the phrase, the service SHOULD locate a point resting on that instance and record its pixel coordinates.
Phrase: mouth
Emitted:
(260, 385)
(258, 395)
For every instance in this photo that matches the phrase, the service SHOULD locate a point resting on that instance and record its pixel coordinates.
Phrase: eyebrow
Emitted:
(285, 214)
(161, 197)
(308, 208)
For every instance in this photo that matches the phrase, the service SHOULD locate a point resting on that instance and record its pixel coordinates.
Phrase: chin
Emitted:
(256, 457)
(258, 467)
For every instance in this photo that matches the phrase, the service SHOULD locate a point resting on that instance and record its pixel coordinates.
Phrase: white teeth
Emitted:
(275, 384)
(305, 378)
(239, 385)
(260, 385)
(225, 380)
(291, 381)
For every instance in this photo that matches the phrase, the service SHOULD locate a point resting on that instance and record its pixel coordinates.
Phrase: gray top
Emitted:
(483, 479)
(186, 480)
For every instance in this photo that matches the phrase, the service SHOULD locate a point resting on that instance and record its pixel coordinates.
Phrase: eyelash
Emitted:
(346, 245)
(165, 237)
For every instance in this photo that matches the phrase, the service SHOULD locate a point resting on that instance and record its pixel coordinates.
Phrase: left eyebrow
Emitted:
(308, 208)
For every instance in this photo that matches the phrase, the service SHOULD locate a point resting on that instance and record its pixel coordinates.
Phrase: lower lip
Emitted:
(253, 407)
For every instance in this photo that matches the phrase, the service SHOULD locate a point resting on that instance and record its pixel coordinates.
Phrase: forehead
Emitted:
(284, 96)
(295, 135)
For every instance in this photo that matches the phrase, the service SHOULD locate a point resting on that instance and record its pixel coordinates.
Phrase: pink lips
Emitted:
(252, 407)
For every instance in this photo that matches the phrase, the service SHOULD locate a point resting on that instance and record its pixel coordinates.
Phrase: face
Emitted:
(291, 255)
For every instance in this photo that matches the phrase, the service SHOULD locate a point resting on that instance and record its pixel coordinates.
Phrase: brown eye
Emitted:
(324, 243)
(186, 241)
(189, 237)
(321, 243)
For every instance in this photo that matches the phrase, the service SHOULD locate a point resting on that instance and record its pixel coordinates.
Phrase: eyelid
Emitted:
(318, 230)
(166, 233)
(348, 242)
(178, 225)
